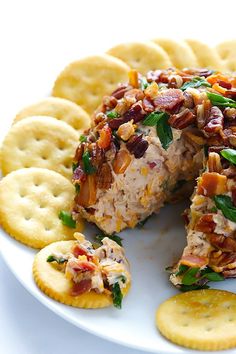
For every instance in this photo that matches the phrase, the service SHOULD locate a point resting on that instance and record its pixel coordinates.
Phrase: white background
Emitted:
(37, 39)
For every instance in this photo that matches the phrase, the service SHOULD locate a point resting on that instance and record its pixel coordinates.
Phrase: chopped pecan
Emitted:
(169, 100)
(214, 123)
(79, 152)
(226, 244)
(214, 162)
(195, 136)
(87, 194)
(135, 113)
(229, 172)
(97, 154)
(126, 130)
(153, 75)
(182, 120)
(212, 183)
(99, 117)
(136, 94)
(216, 148)
(122, 161)
(111, 152)
(233, 191)
(224, 259)
(206, 224)
(203, 112)
(120, 91)
(104, 176)
(230, 113)
(188, 100)
(137, 145)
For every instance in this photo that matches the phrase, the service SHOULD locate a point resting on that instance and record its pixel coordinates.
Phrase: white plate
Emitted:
(149, 250)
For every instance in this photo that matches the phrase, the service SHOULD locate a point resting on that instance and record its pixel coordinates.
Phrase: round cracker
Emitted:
(54, 283)
(86, 81)
(227, 52)
(36, 142)
(58, 108)
(207, 57)
(179, 52)
(199, 319)
(30, 201)
(142, 56)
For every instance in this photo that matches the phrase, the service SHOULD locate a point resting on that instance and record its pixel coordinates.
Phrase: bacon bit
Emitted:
(120, 91)
(133, 78)
(147, 105)
(233, 190)
(229, 172)
(83, 266)
(231, 93)
(214, 162)
(216, 78)
(137, 145)
(77, 251)
(225, 84)
(169, 100)
(78, 175)
(87, 194)
(214, 122)
(194, 261)
(229, 273)
(121, 161)
(82, 287)
(152, 165)
(105, 137)
(104, 177)
(226, 244)
(219, 89)
(206, 224)
(182, 120)
(212, 183)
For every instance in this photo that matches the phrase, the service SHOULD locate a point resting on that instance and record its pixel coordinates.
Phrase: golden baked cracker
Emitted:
(59, 108)
(30, 201)
(227, 52)
(179, 52)
(54, 283)
(199, 319)
(142, 56)
(86, 81)
(207, 57)
(36, 142)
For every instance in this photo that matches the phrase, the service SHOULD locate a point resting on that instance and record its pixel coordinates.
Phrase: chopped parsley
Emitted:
(195, 83)
(66, 219)
(59, 260)
(113, 237)
(164, 131)
(143, 83)
(77, 188)
(230, 155)
(74, 166)
(218, 100)
(112, 114)
(116, 295)
(83, 138)
(89, 169)
(224, 203)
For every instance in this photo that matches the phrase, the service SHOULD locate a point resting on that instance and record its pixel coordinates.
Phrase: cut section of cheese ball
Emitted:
(210, 254)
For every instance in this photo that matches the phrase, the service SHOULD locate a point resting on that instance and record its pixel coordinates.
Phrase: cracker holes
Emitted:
(27, 217)
(209, 329)
(185, 324)
(47, 228)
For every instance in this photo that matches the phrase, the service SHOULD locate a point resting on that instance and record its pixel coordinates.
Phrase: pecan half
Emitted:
(137, 146)
(120, 91)
(182, 119)
(104, 177)
(214, 123)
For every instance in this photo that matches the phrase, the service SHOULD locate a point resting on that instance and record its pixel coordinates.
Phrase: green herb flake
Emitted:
(218, 100)
(112, 114)
(77, 188)
(213, 210)
(185, 288)
(83, 138)
(205, 149)
(59, 260)
(195, 83)
(224, 203)
(117, 295)
(143, 83)
(89, 169)
(164, 131)
(214, 276)
(153, 118)
(74, 166)
(66, 219)
(113, 237)
(122, 278)
(182, 269)
(230, 155)
(189, 277)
